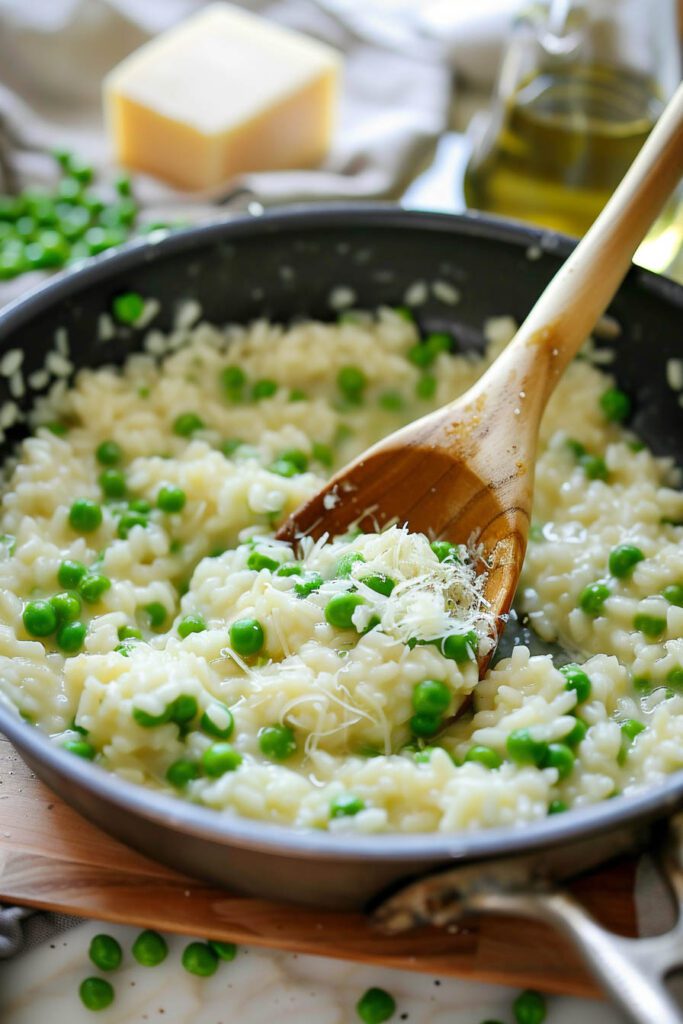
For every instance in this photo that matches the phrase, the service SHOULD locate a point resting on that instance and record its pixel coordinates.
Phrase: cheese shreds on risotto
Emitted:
(150, 622)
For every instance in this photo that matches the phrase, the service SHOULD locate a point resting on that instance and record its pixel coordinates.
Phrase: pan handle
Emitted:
(632, 972)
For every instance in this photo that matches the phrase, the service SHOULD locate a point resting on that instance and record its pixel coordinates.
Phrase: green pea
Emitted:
(123, 185)
(128, 633)
(129, 520)
(156, 613)
(121, 214)
(576, 734)
(559, 756)
(171, 499)
(391, 401)
(460, 647)
(39, 618)
(289, 569)
(230, 446)
(233, 381)
(311, 582)
(575, 447)
(675, 677)
(524, 749)
(593, 597)
(615, 404)
(426, 387)
(70, 573)
(577, 680)
(71, 636)
(425, 724)
(200, 959)
(223, 950)
(623, 559)
(12, 263)
(93, 586)
(81, 748)
(486, 756)
(431, 697)
(219, 759)
(150, 949)
(283, 468)
(105, 952)
(445, 551)
(375, 1006)
(380, 583)
(649, 625)
(674, 594)
(641, 684)
(128, 308)
(98, 239)
(594, 466)
(420, 355)
(191, 624)
(557, 807)
(297, 457)
(346, 805)
(247, 636)
(277, 741)
(96, 993)
(529, 1008)
(140, 505)
(187, 423)
(339, 610)
(352, 382)
(109, 453)
(113, 483)
(297, 395)
(257, 561)
(323, 454)
(181, 772)
(85, 515)
(148, 721)
(25, 227)
(263, 389)
(631, 728)
(217, 721)
(183, 709)
(346, 564)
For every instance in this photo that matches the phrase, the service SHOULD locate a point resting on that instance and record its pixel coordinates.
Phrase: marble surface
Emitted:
(259, 986)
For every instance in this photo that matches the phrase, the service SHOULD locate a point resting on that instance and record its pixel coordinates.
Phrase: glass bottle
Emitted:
(579, 89)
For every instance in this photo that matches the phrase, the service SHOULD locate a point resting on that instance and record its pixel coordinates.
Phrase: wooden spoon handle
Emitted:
(581, 290)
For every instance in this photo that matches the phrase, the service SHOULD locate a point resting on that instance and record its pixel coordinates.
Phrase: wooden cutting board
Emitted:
(53, 859)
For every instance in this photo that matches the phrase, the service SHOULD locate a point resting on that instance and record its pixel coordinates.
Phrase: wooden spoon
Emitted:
(466, 471)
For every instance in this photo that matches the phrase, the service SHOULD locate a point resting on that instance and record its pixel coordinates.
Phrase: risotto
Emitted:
(149, 621)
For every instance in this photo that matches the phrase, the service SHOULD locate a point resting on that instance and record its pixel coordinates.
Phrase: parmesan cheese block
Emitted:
(223, 93)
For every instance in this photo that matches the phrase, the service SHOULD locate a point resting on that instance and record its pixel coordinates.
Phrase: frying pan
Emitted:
(301, 263)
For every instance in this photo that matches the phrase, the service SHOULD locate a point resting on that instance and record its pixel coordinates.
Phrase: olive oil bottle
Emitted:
(580, 88)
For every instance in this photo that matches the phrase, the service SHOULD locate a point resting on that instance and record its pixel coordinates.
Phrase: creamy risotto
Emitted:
(150, 622)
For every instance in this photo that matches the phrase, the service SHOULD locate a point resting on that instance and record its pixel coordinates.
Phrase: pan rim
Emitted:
(253, 834)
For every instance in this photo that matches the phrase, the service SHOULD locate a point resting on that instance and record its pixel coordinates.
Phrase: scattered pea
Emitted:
(675, 677)
(380, 583)
(277, 741)
(171, 499)
(219, 759)
(223, 950)
(649, 625)
(105, 952)
(375, 1006)
(233, 381)
(39, 618)
(109, 453)
(323, 454)
(594, 466)
(631, 728)
(150, 949)
(289, 569)
(524, 749)
(81, 748)
(263, 389)
(346, 563)
(529, 1008)
(559, 756)
(217, 721)
(615, 404)
(593, 597)
(391, 401)
(674, 594)
(424, 724)
(577, 680)
(346, 805)
(113, 483)
(96, 993)
(623, 559)
(311, 582)
(128, 521)
(128, 633)
(340, 609)
(187, 424)
(93, 586)
(352, 382)
(85, 515)
(191, 624)
(445, 551)
(156, 614)
(181, 772)
(247, 636)
(200, 959)
(557, 807)
(485, 756)
(460, 647)
(258, 560)
(576, 734)
(71, 637)
(128, 308)
(431, 697)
